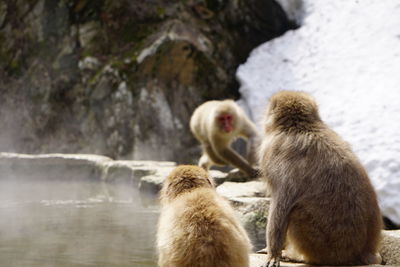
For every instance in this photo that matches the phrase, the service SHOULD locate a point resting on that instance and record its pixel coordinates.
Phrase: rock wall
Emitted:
(121, 78)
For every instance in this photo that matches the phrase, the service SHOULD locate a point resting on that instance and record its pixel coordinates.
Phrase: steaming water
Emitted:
(74, 223)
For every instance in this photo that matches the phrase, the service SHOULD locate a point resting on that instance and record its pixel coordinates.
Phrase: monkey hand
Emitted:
(255, 173)
(236, 175)
(272, 261)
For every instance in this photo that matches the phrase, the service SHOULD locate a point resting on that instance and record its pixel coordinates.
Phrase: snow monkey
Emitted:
(323, 206)
(197, 227)
(216, 124)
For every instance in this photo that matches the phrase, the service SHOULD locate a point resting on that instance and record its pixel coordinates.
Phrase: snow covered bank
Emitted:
(347, 55)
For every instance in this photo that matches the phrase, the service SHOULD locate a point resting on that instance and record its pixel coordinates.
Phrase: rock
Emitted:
(152, 183)
(246, 189)
(51, 166)
(219, 177)
(252, 207)
(390, 247)
(79, 166)
(253, 213)
(88, 32)
(132, 171)
(121, 78)
(54, 158)
(3, 12)
(257, 260)
(89, 64)
(236, 175)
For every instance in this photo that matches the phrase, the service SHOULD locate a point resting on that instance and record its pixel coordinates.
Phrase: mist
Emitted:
(48, 218)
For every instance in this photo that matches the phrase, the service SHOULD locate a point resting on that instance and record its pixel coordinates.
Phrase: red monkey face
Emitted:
(226, 122)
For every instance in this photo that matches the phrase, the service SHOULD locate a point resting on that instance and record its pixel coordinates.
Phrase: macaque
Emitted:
(216, 124)
(323, 207)
(197, 227)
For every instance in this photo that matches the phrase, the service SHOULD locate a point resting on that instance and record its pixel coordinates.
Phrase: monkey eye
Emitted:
(225, 117)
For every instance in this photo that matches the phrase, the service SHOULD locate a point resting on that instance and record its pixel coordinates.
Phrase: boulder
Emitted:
(253, 213)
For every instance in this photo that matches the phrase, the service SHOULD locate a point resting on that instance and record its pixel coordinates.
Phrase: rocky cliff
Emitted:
(121, 78)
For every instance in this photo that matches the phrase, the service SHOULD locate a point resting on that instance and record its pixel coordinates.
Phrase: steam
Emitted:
(56, 221)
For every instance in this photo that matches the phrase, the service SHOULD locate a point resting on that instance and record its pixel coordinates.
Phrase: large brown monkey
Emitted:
(197, 227)
(322, 201)
(216, 124)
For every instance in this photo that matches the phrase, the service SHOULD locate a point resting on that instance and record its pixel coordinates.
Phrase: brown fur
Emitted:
(215, 142)
(197, 227)
(323, 204)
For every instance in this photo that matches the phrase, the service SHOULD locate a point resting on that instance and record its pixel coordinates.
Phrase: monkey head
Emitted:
(183, 179)
(225, 121)
(291, 110)
(226, 117)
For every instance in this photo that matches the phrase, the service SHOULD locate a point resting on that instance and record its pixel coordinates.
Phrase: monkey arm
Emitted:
(207, 148)
(250, 132)
(236, 160)
(278, 221)
(276, 228)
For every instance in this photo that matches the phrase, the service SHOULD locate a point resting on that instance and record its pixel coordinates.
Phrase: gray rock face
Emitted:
(253, 213)
(121, 78)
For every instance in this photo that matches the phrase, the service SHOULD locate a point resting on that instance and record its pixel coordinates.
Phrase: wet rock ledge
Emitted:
(248, 198)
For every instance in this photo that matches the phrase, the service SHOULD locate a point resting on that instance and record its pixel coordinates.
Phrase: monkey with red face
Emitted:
(216, 124)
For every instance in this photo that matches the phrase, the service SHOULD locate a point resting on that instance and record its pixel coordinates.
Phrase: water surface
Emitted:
(75, 223)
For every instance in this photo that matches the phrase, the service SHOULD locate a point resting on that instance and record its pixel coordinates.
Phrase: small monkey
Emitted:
(216, 124)
(197, 227)
(323, 206)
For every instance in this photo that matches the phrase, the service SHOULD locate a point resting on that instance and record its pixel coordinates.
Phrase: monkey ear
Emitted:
(273, 103)
(211, 181)
(168, 190)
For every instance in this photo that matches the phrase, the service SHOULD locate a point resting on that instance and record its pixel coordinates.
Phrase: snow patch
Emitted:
(347, 55)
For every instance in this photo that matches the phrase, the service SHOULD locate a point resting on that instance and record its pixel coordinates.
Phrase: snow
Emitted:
(347, 55)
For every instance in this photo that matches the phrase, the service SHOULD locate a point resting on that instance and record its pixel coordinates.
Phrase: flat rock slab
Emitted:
(51, 166)
(78, 166)
(247, 189)
(14, 158)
